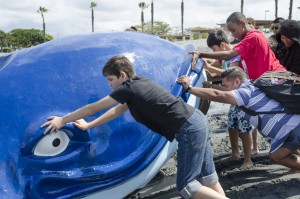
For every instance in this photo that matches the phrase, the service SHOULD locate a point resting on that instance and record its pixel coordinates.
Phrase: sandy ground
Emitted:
(264, 181)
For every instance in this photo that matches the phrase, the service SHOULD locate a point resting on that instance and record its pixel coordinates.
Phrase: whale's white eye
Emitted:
(52, 144)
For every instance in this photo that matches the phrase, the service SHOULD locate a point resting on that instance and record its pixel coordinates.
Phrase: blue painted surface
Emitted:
(59, 76)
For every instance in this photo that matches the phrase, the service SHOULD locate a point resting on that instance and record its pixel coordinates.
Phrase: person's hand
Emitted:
(54, 124)
(185, 81)
(196, 55)
(82, 124)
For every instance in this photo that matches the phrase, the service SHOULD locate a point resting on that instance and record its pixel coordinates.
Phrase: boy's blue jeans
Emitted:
(195, 166)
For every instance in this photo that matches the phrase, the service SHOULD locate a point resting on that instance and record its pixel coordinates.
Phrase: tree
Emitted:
(42, 10)
(2, 40)
(152, 15)
(24, 38)
(143, 6)
(276, 9)
(93, 4)
(242, 6)
(182, 12)
(159, 28)
(291, 9)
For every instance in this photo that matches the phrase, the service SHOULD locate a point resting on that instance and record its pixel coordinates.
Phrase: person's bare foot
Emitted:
(291, 171)
(235, 157)
(232, 159)
(246, 165)
(254, 151)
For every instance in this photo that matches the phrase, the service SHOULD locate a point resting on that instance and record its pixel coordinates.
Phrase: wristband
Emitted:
(189, 88)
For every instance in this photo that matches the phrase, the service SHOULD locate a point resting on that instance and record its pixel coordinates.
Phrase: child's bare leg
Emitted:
(208, 193)
(255, 148)
(218, 188)
(247, 143)
(285, 157)
(292, 171)
(234, 142)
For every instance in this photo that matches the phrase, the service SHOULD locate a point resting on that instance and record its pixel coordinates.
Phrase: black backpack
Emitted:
(282, 86)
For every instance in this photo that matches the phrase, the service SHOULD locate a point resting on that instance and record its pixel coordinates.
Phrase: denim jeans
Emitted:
(293, 140)
(194, 155)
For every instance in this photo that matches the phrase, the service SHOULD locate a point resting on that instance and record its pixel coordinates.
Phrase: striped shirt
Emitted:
(274, 127)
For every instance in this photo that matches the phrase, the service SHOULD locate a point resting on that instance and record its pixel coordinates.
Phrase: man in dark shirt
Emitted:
(289, 33)
(156, 108)
(274, 40)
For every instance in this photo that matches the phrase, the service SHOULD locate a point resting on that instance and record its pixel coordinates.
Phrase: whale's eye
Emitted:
(52, 144)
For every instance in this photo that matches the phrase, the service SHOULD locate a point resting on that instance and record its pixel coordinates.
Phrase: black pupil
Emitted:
(56, 142)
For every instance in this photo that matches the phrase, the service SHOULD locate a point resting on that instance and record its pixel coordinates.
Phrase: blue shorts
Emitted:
(195, 166)
(237, 121)
(292, 142)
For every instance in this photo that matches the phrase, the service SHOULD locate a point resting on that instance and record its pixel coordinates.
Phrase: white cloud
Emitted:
(65, 17)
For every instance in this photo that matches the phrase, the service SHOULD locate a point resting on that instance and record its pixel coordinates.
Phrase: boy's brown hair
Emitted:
(118, 64)
(234, 72)
(251, 21)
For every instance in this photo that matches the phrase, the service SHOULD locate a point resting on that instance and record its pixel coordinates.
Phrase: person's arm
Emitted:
(208, 93)
(225, 55)
(55, 123)
(213, 69)
(106, 117)
(209, 84)
(213, 95)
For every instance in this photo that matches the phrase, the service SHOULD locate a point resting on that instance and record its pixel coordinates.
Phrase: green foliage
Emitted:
(93, 4)
(196, 36)
(170, 37)
(23, 38)
(42, 10)
(2, 40)
(204, 35)
(143, 5)
(159, 28)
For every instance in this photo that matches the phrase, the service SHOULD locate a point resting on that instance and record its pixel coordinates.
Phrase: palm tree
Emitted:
(242, 6)
(93, 4)
(276, 9)
(42, 10)
(290, 9)
(152, 16)
(143, 6)
(182, 12)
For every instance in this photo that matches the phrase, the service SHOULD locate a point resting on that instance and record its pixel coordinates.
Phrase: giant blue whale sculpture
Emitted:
(109, 161)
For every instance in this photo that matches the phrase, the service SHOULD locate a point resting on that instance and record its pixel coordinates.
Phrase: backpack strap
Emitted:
(257, 113)
(254, 113)
(274, 75)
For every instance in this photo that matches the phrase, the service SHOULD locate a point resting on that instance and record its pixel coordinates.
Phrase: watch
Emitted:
(189, 88)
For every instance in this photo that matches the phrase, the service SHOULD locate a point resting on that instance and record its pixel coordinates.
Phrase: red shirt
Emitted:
(257, 55)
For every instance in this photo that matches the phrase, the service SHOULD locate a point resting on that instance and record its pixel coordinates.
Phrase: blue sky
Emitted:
(66, 17)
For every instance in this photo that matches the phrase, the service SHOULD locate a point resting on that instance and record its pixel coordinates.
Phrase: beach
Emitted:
(265, 180)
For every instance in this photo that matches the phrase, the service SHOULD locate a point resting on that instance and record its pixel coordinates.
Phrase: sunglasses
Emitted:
(275, 28)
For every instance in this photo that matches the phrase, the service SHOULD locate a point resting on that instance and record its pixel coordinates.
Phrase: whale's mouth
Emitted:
(78, 183)
(56, 187)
